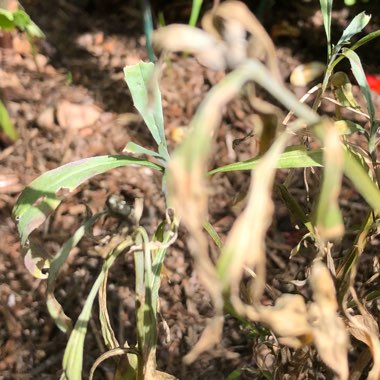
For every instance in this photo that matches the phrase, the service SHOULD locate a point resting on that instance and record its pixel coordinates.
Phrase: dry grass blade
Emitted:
(110, 354)
(330, 335)
(188, 191)
(107, 331)
(245, 245)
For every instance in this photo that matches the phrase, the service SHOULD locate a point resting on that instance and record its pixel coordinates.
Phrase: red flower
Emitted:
(373, 82)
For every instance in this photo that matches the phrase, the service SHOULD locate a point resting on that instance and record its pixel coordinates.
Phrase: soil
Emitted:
(80, 64)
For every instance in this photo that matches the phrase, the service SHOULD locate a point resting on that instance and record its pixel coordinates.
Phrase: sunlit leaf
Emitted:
(358, 23)
(146, 96)
(293, 157)
(42, 196)
(369, 37)
(6, 19)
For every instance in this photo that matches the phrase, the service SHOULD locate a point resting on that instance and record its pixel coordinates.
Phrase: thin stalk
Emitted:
(148, 27)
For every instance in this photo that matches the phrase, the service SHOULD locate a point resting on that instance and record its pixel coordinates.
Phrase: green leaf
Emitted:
(21, 19)
(73, 357)
(359, 74)
(6, 20)
(195, 10)
(335, 60)
(146, 97)
(326, 6)
(358, 23)
(6, 124)
(369, 37)
(34, 31)
(293, 157)
(42, 196)
(62, 321)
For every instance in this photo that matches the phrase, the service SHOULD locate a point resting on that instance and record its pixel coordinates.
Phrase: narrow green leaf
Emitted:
(42, 196)
(195, 10)
(369, 37)
(293, 157)
(146, 97)
(6, 124)
(326, 6)
(73, 357)
(356, 26)
(55, 309)
(359, 74)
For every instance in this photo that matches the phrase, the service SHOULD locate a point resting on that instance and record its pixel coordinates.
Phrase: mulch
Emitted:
(79, 64)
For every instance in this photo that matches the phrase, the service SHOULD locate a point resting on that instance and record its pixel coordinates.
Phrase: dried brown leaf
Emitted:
(179, 37)
(365, 328)
(289, 320)
(330, 335)
(223, 42)
(245, 245)
(238, 12)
